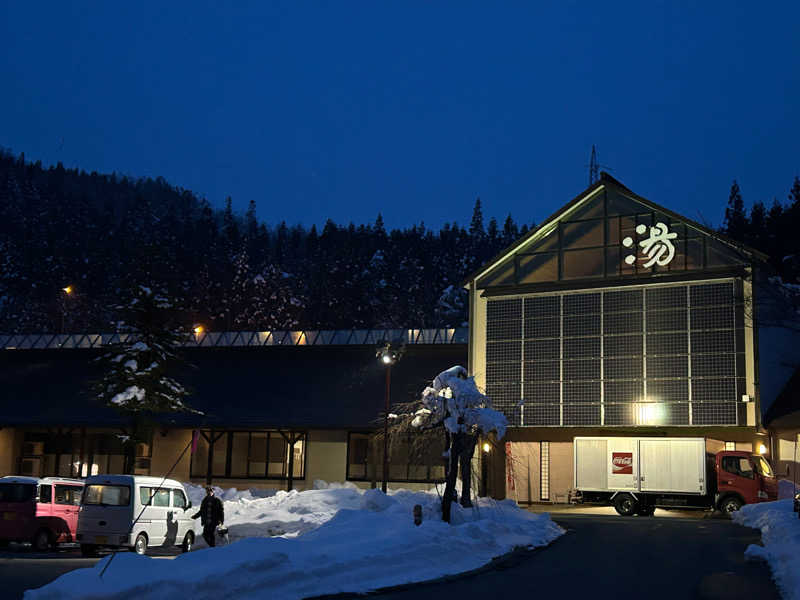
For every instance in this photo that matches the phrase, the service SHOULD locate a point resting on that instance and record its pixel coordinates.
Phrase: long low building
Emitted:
(278, 411)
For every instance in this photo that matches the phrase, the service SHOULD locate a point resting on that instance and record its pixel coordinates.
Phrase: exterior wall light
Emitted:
(762, 449)
(486, 447)
(198, 329)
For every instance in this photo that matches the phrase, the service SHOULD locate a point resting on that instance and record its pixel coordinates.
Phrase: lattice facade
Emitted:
(639, 355)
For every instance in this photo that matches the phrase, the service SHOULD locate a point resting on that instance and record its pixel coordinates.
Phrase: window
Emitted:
(110, 495)
(730, 445)
(178, 499)
(544, 470)
(17, 492)
(250, 454)
(414, 457)
(738, 465)
(763, 466)
(45, 493)
(78, 454)
(68, 494)
(150, 496)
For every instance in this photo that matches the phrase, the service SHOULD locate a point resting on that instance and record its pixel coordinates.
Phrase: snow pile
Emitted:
(338, 539)
(780, 534)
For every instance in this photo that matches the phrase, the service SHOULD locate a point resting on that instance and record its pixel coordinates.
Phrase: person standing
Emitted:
(211, 515)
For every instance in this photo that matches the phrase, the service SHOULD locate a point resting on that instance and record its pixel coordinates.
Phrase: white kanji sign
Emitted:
(657, 248)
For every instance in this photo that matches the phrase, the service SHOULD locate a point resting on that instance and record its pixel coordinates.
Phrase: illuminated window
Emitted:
(544, 470)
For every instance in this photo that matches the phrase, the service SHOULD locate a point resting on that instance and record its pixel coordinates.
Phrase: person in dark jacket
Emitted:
(211, 515)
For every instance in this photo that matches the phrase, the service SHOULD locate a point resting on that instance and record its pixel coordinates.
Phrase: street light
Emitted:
(68, 290)
(388, 355)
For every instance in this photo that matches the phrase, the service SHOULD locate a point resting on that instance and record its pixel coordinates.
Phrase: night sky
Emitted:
(346, 109)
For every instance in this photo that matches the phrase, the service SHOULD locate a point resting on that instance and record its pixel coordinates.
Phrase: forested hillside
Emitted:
(105, 235)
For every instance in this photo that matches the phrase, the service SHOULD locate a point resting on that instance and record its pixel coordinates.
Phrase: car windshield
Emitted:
(762, 466)
(108, 495)
(17, 492)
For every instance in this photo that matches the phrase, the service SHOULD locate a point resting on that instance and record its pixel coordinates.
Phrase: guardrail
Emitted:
(210, 339)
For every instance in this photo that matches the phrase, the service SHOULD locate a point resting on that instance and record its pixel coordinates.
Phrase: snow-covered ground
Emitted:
(334, 539)
(780, 536)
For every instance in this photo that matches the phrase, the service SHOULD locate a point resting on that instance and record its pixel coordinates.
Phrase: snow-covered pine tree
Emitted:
(138, 378)
(454, 404)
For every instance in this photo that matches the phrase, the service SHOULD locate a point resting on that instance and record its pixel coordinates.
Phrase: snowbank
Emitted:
(337, 539)
(787, 489)
(780, 536)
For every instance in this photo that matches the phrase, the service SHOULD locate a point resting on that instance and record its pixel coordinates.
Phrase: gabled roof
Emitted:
(605, 180)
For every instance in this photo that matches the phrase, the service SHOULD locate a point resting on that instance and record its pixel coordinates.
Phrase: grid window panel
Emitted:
(543, 307)
(503, 372)
(538, 392)
(713, 365)
(581, 391)
(542, 328)
(666, 298)
(668, 390)
(622, 345)
(582, 347)
(503, 319)
(542, 370)
(623, 391)
(542, 349)
(504, 397)
(714, 317)
(713, 341)
(714, 390)
(623, 368)
(667, 343)
(581, 368)
(622, 323)
(667, 366)
(581, 414)
(544, 470)
(666, 320)
(582, 304)
(581, 325)
(711, 294)
(623, 301)
(714, 413)
(503, 351)
(542, 414)
(618, 414)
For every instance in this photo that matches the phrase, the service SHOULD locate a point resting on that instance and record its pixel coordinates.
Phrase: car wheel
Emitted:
(625, 505)
(88, 550)
(188, 542)
(41, 541)
(140, 545)
(731, 504)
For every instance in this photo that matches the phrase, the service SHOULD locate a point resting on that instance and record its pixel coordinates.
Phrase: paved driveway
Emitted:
(622, 557)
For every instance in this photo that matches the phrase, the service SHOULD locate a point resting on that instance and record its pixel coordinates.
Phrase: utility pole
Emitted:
(594, 167)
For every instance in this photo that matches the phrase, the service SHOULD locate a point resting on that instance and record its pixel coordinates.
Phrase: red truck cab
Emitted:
(743, 478)
(43, 512)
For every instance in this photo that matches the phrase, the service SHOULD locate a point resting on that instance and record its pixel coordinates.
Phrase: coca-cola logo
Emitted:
(622, 463)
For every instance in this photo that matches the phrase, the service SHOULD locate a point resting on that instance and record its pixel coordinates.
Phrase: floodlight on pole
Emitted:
(388, 355)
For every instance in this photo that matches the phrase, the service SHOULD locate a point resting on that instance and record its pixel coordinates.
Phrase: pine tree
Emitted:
(510, 231)
(736, 224)
(138, 378)
(476, 225)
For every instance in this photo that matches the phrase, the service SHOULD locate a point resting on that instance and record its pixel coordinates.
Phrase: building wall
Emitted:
(477, 338)
(786, 449)
(524, 481)
(753, 414)
(326, 457)
(167, 447)
(8, 451)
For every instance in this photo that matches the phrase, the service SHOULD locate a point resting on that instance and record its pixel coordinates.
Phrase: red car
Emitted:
(43, 512)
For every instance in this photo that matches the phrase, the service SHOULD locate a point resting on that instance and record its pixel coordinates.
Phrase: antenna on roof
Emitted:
(594, 167)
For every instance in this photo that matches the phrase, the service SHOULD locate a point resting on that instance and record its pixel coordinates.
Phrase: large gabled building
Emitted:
(616, 316)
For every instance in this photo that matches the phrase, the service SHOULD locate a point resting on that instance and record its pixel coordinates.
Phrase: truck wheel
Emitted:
(41, 541)
(140, 545)
(188, 541)
(730, 504)
(88, 550)
(625, 504)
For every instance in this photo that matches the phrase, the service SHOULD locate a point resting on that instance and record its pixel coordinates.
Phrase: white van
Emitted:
(111, 505)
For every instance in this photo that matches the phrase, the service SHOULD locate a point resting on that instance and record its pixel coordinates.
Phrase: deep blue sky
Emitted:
(346, 109)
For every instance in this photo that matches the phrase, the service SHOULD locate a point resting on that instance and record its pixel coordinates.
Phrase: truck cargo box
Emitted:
(639, 464)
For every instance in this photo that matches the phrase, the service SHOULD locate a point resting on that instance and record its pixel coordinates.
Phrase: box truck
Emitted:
(637, 475)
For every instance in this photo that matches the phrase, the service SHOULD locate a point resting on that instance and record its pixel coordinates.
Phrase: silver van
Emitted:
(111, 505)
